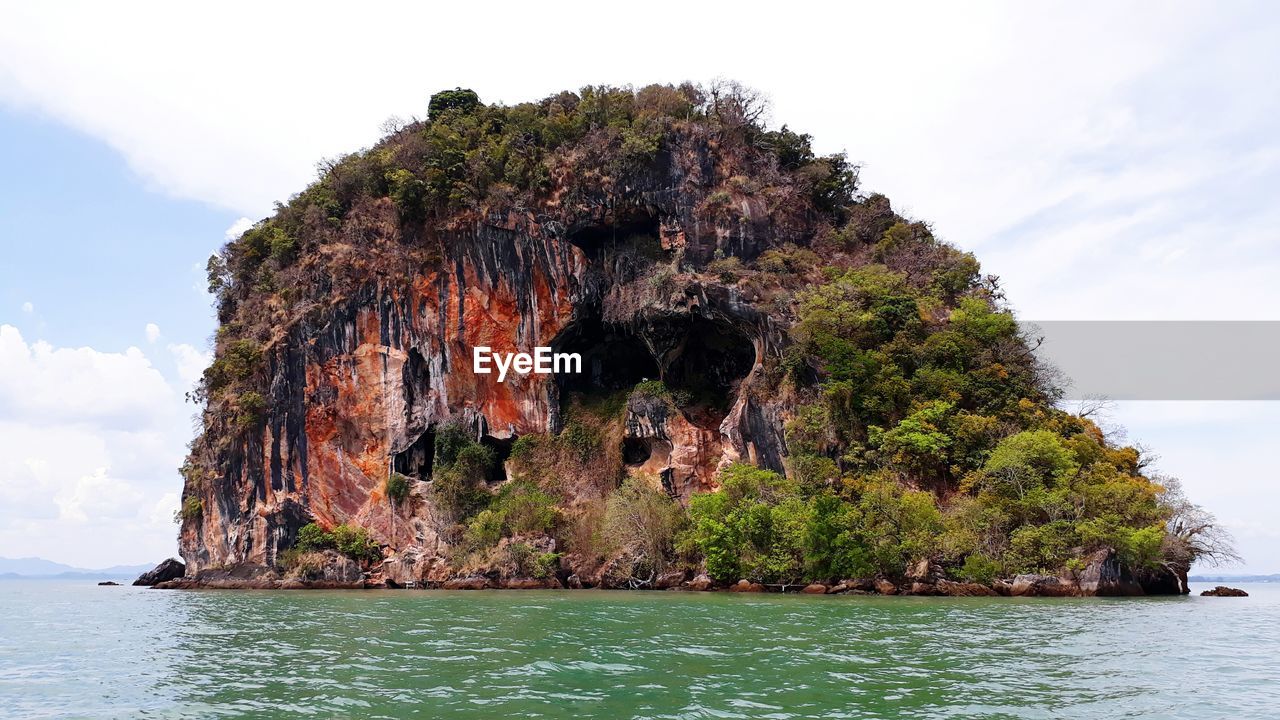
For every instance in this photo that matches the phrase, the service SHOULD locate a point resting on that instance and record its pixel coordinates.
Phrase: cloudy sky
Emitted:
(1107, 162)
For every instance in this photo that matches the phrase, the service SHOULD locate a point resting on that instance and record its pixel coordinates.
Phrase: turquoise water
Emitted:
(77, 650)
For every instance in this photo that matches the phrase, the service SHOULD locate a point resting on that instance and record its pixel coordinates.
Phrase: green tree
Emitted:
(899, 526)
(458, 99)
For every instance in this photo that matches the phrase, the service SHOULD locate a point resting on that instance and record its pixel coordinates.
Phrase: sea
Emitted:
(73, 649)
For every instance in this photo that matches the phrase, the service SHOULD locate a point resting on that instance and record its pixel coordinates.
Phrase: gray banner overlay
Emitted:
(1162, 360)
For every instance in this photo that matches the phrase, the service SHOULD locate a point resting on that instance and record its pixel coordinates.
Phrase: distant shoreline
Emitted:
(1273, 578)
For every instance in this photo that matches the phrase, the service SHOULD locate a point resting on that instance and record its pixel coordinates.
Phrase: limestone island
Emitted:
(783, 383)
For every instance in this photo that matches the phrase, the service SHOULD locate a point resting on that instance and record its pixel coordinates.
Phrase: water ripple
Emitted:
(74, 650)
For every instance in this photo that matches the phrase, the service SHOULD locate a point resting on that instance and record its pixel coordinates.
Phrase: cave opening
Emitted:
(416, 460)
(635, 451)
(417, 382)
(501, 448)
(699, 361)
(640, 229)
(613, 359)
(710, 359)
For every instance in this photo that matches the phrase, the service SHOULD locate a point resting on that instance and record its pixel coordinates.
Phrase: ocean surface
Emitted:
(73, 649)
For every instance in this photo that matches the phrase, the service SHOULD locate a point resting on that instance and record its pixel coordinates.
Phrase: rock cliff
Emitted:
(668, 243)
(358, 385)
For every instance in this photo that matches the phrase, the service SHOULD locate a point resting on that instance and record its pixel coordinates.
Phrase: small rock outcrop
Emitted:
(701, 583)
(1105, 575)
(108, 582)
(170, 569)
(1224, 591)
(1042, 586)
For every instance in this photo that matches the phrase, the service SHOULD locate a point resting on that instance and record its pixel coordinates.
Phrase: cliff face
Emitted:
(746, 320)
(358, 387)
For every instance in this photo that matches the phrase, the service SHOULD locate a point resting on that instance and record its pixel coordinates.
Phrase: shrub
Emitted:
(349, 540)
(1041, 548)
(979, 568)
(237, 362)
(355, 542)
(809, 432)
(251, 406)
(832, 546)
(398, 487)
(814, 471)
(834, 182)
(719, 198)
(284, 247)
(651, 389)
(663, 281)
(728, 269)
(642, 519)
(753, 527)
(461, 467)
(451, 440)
(408, 192)
(525, 447)
(582, 440)
(301, 564)
(484, 530)
(525, 508)
(526, 561)
(520, 508)
(898, 525)
(457, 494)
(920, 443)
(1035, 456)
(793, 150)
(191, 509)
(313, 537)
(640, 144)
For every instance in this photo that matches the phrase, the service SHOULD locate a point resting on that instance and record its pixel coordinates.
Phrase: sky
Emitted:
(1106, 160)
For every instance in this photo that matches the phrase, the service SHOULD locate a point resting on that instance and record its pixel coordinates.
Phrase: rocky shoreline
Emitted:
(1102, 576)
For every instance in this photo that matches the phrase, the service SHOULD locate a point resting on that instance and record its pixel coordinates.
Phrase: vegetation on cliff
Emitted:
(919, 429)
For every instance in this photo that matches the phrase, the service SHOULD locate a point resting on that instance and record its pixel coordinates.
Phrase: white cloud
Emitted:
(237, 228)
(97, 494)
(90, 443)
(162, 512)
(153, 332)
(1087, 150)
(28, 307)
(43, 384)
(191, 362)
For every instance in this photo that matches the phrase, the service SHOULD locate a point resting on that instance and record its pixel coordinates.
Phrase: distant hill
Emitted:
(30, 567)
(1274, 577)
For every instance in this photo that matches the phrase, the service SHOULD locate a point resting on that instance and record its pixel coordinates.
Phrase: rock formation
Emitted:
(1224, 591)
(170, 569)
(668, 249)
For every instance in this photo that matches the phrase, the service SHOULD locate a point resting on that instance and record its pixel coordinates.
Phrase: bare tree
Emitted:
(1193, 533)
(1095, 405)
(735, 104)
(641, 521)
(393, 124)
(1098, 408)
